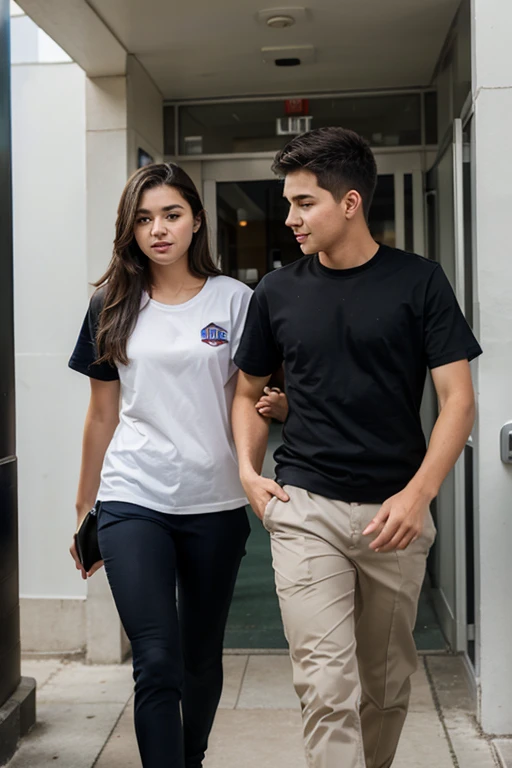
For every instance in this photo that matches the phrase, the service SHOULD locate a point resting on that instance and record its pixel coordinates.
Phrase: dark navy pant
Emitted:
(177, 647)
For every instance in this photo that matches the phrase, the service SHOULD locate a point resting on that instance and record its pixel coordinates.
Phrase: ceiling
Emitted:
(212, 48)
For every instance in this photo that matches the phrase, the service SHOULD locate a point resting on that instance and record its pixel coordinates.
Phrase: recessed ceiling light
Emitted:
(288, 55)
(279, 22)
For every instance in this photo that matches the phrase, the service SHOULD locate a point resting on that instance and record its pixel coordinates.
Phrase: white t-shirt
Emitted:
(173, 450)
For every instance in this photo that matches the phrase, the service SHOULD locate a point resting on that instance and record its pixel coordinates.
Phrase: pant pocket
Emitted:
(266, 513)
(429, 529)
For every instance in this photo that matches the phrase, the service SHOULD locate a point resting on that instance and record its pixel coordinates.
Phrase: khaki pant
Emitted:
(348, 614)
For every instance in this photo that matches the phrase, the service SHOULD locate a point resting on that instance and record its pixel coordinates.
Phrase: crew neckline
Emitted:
(186, 304)
(343, 274)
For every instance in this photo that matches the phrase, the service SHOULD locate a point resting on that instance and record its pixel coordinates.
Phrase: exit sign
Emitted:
(292, 126)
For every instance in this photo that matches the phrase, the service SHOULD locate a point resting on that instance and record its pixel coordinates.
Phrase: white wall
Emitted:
(144, 114)
(492, 88)
(50, 295)
(30, 44)
(106, 144)
(123, 114)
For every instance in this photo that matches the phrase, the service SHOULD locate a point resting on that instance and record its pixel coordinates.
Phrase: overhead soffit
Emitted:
(213, 49)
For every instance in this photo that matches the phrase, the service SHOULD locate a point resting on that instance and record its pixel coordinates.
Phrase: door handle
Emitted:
(506, 443)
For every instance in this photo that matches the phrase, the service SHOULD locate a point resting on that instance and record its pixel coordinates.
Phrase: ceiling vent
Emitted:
(289, 55)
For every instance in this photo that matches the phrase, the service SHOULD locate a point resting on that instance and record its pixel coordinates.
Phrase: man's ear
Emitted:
(353, 203)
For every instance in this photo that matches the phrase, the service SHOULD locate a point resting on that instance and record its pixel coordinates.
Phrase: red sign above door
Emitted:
(296, 106)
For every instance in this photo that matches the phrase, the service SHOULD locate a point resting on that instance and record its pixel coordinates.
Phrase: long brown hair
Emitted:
(128, 274)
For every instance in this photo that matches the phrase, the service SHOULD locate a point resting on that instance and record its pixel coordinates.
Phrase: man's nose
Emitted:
(293, 219)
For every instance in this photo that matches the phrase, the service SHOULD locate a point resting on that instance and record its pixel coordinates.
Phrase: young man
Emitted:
(356, 325)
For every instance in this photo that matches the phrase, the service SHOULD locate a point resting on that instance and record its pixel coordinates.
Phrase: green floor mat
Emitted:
(254, 620)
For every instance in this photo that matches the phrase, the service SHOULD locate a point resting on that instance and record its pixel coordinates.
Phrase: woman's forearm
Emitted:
(98, 432)
(250, 431)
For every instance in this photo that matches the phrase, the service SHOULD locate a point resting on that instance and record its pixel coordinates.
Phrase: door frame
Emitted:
(257, 168)
(454, 617)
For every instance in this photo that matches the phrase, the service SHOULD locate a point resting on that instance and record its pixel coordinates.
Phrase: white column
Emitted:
(107, 170)
(124, 113)
(492, 87)
(50, 296)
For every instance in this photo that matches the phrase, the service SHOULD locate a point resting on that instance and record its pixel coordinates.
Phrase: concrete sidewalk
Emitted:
(85, 718)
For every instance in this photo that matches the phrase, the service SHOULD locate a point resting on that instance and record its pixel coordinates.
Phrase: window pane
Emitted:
(431, 117)
(382, 213)
(169, 131)
(462, 58)
(468, 228)
(252, 236)
(408, 213)
(224, 128)
(385, 121)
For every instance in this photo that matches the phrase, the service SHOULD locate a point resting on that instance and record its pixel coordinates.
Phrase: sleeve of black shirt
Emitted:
(258, 353)
(448, 337)
(85, 352)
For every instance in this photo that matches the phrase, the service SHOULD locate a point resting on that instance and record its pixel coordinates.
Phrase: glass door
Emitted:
(246, 212)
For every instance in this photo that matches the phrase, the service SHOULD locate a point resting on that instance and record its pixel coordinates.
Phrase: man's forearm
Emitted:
(449, 436)
(250, 431)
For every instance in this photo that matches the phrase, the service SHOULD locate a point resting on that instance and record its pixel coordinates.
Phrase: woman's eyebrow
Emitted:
(165, 208)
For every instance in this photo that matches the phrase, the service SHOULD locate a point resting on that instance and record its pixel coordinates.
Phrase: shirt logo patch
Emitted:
(214, 335)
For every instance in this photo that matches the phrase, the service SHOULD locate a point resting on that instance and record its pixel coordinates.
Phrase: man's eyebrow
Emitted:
(165, 208)
(297, 198)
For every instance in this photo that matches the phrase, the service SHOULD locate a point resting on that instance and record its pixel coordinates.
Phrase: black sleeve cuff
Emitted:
(455, 356)
(251, 368)
(100, 372)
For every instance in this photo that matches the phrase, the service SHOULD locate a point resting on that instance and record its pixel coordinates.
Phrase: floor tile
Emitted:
(450, 680)
(89, 684)
(234, 668)
(268, 684)
(255, 739)
(69, 735)
(121, 751)
(421, 695)
(40, 669)
(457, 700)
(423, 743)
(504, 749)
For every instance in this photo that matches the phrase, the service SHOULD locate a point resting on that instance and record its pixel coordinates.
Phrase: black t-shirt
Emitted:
(355, 344)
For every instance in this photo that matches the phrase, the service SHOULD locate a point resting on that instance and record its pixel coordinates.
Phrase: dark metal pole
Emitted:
(17, 700)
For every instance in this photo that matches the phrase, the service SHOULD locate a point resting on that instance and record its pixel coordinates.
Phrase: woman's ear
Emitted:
(197, 224)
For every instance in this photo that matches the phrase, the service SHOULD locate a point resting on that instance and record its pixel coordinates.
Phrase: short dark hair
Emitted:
(339, 158)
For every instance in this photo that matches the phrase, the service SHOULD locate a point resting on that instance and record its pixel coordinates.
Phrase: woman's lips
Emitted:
(301, 238)
(161, 247)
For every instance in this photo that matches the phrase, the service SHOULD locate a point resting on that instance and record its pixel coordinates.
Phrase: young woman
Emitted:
(161, 334)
